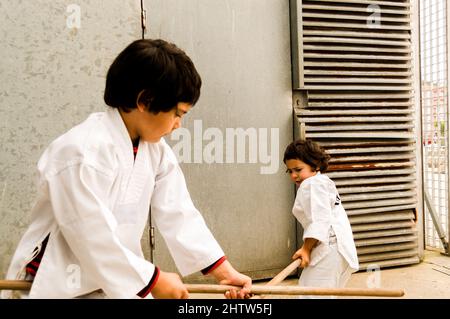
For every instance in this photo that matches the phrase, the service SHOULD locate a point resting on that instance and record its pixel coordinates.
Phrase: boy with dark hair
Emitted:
(98, 180)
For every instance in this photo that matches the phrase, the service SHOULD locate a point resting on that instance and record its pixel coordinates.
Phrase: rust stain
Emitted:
(368, 166)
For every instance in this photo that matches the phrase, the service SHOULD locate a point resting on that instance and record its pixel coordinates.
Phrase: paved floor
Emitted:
(428, 280)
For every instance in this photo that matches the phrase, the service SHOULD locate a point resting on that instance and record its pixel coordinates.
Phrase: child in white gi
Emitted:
(328, 254)
(98, 180)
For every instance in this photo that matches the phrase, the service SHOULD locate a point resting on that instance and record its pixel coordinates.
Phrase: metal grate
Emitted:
(353, 81)
(434, 82)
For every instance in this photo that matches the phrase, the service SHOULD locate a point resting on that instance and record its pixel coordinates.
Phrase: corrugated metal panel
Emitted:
(353, 94)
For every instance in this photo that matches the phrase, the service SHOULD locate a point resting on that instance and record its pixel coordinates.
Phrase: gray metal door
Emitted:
(242, 51)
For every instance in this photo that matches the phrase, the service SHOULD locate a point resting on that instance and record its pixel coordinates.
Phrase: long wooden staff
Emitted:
(15, 285)
(257, 290)
(295, 290)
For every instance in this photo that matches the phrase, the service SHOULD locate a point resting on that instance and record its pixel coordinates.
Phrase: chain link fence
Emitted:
(435, 108)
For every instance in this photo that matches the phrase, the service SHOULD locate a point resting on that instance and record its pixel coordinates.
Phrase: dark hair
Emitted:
(309, 152)
(164, 73)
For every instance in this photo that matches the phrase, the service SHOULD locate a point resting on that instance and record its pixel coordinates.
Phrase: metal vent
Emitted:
(353, 94)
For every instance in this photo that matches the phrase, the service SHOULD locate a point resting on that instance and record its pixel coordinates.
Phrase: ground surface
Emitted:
(430, 279)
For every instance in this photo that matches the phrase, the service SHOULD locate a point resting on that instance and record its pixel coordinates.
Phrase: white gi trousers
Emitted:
(332, 271)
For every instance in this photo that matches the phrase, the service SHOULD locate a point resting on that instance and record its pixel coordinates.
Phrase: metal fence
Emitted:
(435, 109)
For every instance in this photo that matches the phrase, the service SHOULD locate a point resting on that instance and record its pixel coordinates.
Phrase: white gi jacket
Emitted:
(94, 199)
(318, 208)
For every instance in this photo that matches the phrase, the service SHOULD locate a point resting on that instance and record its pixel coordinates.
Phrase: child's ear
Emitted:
(139, 102)
(143, 100)
(141, 107)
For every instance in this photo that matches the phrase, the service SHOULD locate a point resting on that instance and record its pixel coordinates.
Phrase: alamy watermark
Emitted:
(73, 280)
(232, 145)
(374, 20)
(73, 20)
(374, 278)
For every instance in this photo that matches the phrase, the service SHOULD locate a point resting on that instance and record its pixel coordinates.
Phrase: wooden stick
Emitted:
(258, 290)
(284, 273)
(295, 290)
(15, 285)
(280, 277)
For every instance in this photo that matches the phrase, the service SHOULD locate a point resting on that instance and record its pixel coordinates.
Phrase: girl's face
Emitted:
(299, 171)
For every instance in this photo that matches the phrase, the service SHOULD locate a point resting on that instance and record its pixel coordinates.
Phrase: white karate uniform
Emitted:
(319, 210)
(94, 199)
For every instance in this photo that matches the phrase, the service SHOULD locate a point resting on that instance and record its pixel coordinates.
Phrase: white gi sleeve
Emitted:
(79, 196)
(184, 230)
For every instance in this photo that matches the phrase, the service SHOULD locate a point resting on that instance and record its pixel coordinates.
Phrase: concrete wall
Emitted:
(52, 76)
(53, 73)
